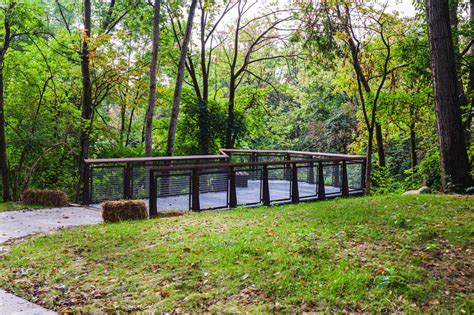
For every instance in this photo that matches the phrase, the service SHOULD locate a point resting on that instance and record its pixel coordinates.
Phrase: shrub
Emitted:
(46, 197)
(114, 211)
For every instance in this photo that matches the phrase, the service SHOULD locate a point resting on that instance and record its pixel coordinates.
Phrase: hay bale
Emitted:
(119, 210)
(45, 197)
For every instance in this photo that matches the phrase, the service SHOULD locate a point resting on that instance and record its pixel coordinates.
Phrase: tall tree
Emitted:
(152, 91)
(7, 38)
(454, 161)
(264, 37)
(180, 79)
(86, 103)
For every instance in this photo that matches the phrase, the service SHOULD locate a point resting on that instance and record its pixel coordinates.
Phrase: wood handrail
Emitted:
(224, 154)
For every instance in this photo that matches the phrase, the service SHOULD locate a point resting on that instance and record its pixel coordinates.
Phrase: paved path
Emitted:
(16, 224)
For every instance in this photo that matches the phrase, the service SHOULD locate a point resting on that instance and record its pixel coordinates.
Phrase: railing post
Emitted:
(153, 196)
(232, 188)
(127, 182)
(345, 181)
(265, 187)
(295, 194)
(321, 189)
(86, 194)
(195, 205)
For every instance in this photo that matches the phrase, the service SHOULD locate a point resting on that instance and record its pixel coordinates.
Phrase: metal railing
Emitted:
(236, 177)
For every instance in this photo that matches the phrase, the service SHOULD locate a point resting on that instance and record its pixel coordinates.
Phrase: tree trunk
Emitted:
(414, 160)
(454, 160)
(86, 97)
(179, 80)
(3, 146)
(380, 148)
(231, 115)
(152, 91)
(203, 104)
(368, 169)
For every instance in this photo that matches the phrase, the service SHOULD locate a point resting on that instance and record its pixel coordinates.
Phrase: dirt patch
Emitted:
(451, 264)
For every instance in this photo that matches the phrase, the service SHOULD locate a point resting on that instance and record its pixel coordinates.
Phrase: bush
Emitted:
(48, 198)
(114, 211)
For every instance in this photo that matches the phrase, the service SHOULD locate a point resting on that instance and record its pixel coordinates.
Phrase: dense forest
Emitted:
(131, 78)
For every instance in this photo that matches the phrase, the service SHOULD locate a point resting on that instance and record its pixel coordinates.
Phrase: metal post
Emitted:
(232, 188)
(345, 181)
(321, 190)
(265, 187)
(195, 205)
(86, 194)
(295, 195)
(152, 202)
(127, 182)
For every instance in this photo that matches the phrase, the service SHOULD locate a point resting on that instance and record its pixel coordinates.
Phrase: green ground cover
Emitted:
(394, 253)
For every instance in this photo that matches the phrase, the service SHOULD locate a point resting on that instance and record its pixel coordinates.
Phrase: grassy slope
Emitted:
(361, 254)
(12, 206)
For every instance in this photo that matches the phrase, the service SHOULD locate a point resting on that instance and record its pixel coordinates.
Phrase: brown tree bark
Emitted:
(454, 161)
(380, 147)
(4, 172)
(179, 80)
(414, 160)
(152, 91)
(3, 146)
(86, 106)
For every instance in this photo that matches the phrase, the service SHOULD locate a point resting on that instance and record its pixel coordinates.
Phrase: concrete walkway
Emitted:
(17, 224)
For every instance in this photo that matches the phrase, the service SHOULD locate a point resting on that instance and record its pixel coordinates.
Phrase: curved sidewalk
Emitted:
(17, 224)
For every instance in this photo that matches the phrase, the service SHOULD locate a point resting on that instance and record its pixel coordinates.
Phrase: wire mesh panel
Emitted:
(279, 182)
(107, 183)
(213, 185)
(173, 190)
(332, 178)
(140, 182)
(354, 175)
(248, 185)
(307, 179)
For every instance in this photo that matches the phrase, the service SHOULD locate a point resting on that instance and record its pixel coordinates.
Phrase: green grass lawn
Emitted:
(390, 254)
(12, 206)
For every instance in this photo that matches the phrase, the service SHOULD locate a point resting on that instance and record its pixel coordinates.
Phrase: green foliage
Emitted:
(307, 99)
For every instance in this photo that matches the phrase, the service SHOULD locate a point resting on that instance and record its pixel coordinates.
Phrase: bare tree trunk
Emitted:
(179, 80)
(414, 160)
(203, 104)
(380, 148)
(86, 97)
(454, 160)
(3, 146)
(368, 169)
(152, 92)
(231, 116)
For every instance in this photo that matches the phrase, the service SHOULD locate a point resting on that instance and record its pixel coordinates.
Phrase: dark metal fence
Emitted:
(237, 177)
